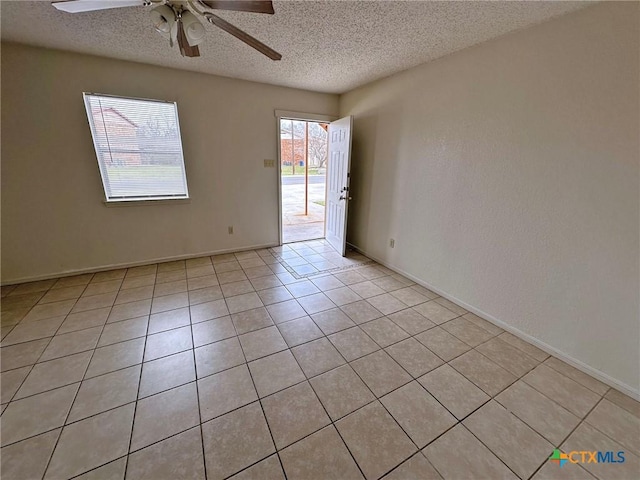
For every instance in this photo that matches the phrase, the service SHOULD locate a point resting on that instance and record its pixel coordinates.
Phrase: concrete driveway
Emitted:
(296, 226)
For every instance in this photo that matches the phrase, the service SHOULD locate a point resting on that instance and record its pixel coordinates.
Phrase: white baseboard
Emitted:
(583, 367)
(114, 266)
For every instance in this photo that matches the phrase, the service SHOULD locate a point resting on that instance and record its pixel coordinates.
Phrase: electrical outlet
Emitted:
(231, 230)
(392, 243)
(269, 163)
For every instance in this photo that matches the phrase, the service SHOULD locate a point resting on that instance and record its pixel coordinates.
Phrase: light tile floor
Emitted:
(291, 362)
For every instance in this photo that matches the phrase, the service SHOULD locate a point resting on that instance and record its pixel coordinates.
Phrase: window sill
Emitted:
(139, 203)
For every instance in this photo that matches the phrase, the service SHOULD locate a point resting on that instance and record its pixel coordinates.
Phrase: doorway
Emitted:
(303, 169)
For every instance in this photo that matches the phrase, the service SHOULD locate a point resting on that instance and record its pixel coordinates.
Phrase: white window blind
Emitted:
(138, 147)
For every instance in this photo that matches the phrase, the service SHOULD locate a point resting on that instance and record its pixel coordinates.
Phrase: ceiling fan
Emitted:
(175, 19)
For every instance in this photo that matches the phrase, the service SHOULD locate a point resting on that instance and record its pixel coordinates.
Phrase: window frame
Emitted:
(141, 200)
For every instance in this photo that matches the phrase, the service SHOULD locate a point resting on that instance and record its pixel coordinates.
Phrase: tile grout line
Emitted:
(582, 420)
(485, 445)
(377, 399)
(419, 452)
(64, 424)
(259, 400)
(195, 375)
(135, 407)
(331, 420)
(93, 469)
(40, 356)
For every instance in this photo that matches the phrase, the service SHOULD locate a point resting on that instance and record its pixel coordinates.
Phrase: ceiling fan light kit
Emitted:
(193, 29)
(177, 19)
(163, 19)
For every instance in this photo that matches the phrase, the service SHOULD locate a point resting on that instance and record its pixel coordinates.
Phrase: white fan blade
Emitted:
(78, 6)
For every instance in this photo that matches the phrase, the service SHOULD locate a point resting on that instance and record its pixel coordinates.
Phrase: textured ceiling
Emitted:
(327, 46)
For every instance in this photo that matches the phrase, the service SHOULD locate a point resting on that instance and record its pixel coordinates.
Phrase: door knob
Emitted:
(345, 198)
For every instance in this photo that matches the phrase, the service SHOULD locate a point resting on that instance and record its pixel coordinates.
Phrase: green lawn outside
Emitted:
(145, 180)
(144, 171)
(288, 170)
(171, 171)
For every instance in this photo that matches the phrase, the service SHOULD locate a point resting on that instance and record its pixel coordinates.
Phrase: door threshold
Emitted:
(305, 240)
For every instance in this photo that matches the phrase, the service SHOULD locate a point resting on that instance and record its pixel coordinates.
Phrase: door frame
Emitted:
(289, 115)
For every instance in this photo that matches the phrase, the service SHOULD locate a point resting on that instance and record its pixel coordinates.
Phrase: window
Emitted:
(138, 147)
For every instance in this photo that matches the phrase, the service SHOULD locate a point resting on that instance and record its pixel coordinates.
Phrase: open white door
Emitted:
(338, 183)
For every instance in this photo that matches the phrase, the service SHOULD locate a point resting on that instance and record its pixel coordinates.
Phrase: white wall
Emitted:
(53, 217)
(508, 174)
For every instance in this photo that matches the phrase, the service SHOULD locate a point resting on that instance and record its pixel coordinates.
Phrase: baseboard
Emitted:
(583, 367)
(114, 266)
